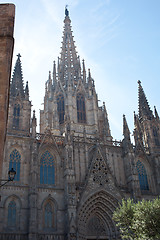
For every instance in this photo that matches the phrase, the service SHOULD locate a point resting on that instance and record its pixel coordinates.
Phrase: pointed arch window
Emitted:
(142, 176)
(11, 220)
(16, 115)
(15, 161)
(47, 170)
(60, 108)
(48, 216)
(81, 111)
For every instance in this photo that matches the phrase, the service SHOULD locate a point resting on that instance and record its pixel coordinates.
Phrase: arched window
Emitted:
(16, 115)
(11, 214)
(60, 108)
(48, 216)
(81, 111)
(142, 176)
(47, 172)
(15, 161)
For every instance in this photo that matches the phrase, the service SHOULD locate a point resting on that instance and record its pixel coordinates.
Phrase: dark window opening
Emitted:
(142, 175)
(81, 111)
(60, 108)
(155, 134)
(16, 115)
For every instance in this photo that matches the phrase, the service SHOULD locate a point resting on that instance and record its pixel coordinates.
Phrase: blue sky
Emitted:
(119, 40)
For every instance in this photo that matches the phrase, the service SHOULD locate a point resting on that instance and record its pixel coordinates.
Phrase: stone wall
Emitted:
(7, 15)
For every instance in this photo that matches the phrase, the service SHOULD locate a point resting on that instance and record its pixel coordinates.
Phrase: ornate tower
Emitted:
(19, 103)
(147, 124)
(71, 110)
(71, 96)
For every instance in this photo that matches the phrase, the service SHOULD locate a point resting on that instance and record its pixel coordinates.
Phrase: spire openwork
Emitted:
(144, 108)
(17, 80)
(69, 65)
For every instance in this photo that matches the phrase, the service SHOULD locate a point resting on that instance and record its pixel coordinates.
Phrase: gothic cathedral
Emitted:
(71, 176)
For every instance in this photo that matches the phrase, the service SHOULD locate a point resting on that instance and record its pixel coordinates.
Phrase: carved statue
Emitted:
(66, 11)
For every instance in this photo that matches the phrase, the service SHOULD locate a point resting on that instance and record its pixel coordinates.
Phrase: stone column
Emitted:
(7, 15)
(33, 195)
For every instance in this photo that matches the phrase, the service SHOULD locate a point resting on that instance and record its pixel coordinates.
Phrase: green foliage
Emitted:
(138, 221)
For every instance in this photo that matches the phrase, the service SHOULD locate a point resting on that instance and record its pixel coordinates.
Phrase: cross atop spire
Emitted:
(144, 108)
(18, 55)
(17, 80)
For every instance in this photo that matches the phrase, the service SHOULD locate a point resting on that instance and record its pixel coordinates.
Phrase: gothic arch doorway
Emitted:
(95, 217)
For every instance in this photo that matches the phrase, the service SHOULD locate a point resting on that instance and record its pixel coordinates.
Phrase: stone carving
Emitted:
(100, 171)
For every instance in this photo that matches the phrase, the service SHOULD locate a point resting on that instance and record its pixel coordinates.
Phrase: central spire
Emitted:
(69, 65)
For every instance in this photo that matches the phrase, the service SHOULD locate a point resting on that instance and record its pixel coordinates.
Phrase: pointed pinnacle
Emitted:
(34, 114)
(144, 108)
(156, 113)
(126, 132)
(49, 75)
(89, 73)
(27, 89)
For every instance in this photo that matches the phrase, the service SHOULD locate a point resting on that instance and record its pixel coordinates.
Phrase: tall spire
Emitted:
(69, 62)
(54, 73)
(144, 108)
(84, 71)
(17, 80)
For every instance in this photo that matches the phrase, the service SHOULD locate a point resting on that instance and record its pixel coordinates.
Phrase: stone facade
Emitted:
(7, 14)
(72, 175)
